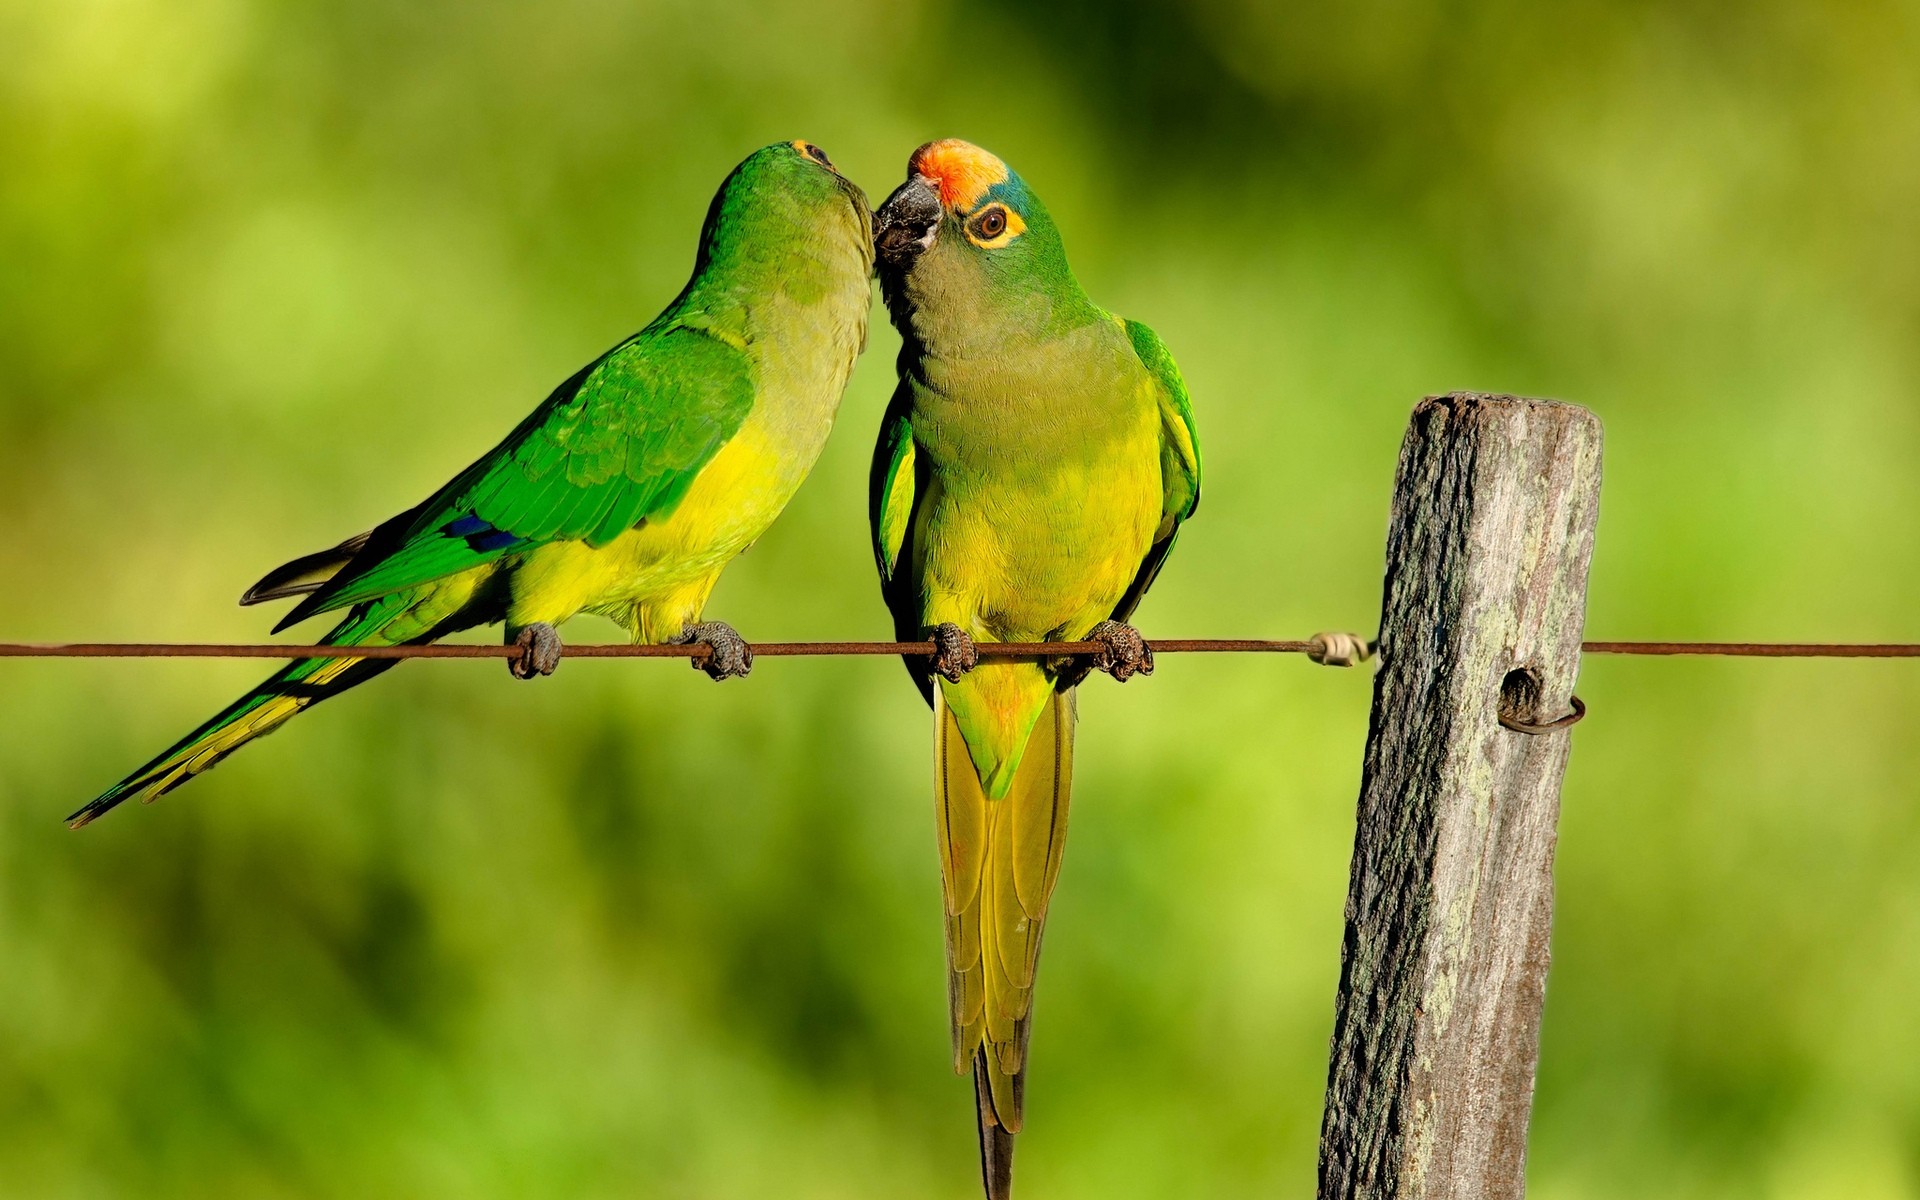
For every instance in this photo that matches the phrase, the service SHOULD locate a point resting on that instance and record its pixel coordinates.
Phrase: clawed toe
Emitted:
(539, 651)
(1123, 653)
(728, 655)
(954, 653)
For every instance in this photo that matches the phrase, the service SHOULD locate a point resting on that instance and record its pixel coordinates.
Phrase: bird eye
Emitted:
(992, 223)
(816, 154)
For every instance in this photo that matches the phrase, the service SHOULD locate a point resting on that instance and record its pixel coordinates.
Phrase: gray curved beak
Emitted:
(907, 223)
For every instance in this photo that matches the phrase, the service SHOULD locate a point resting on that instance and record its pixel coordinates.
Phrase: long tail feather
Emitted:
(1000, 860)
(996, 1144)
(297, 686)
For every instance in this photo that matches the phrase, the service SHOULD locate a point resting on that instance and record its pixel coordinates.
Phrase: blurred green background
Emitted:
(269, 272)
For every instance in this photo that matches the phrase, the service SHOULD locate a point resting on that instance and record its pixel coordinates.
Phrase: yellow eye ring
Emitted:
(994, 226)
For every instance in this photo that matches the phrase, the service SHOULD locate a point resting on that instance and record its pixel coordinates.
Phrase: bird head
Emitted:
(963, 224)
(782, 199)
(958, 191)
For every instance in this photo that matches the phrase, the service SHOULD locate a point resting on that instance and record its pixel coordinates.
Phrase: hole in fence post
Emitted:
(1520, 696)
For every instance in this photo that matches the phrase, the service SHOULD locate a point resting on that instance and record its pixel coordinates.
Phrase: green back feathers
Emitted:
(623, 440)
(619, 442)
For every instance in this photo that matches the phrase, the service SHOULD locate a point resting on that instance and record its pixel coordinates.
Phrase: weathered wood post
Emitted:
(1444, 965)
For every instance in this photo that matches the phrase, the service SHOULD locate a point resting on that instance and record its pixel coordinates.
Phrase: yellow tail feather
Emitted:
(299, 685)
(1000, 860)
(191, 760)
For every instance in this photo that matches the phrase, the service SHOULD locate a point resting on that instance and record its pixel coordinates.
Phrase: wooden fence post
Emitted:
(1444, 964)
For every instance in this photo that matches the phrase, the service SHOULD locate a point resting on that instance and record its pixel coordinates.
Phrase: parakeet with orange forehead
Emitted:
(627, 492)
(1032, 474)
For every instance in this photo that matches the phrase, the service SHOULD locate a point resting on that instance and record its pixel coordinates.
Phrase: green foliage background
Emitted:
(269, 271)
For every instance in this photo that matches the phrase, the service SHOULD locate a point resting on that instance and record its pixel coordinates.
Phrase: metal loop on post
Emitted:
(1565, 721)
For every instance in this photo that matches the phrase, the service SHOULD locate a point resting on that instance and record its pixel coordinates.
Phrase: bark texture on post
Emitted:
(1444, 962)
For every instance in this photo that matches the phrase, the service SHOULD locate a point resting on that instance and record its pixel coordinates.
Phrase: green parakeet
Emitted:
(1032, 473)
(628, 491)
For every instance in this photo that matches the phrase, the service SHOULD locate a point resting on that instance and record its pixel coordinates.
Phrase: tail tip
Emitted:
(97, 808)
(85, 816)
(996, 1142)
(111, 799)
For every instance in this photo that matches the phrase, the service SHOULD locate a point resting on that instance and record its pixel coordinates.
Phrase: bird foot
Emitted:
(728, 656)
(954, 653)
(1123, 653)
(539, 651)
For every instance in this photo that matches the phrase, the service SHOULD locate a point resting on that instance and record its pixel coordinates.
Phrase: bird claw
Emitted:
(1123, 652)
(539, 651)
(954, 653)
(728, 656)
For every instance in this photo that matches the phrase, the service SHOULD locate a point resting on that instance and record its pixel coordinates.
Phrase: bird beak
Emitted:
(907, 223)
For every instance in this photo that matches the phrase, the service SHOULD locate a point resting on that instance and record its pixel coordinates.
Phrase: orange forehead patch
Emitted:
(961, 170)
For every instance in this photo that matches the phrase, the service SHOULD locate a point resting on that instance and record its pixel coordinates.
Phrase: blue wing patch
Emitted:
(479, 534)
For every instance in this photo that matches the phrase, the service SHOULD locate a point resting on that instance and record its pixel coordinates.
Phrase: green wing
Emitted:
(892, 487)
(616, 445)
(895, 489)
(1179, 459)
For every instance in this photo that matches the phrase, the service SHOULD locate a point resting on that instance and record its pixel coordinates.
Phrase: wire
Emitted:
(836, 649)
(612, 650)
(1760, 649)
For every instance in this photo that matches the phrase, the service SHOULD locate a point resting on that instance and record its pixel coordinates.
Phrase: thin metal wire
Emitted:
(831, 649)
(1760, 649)
(616, 650)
